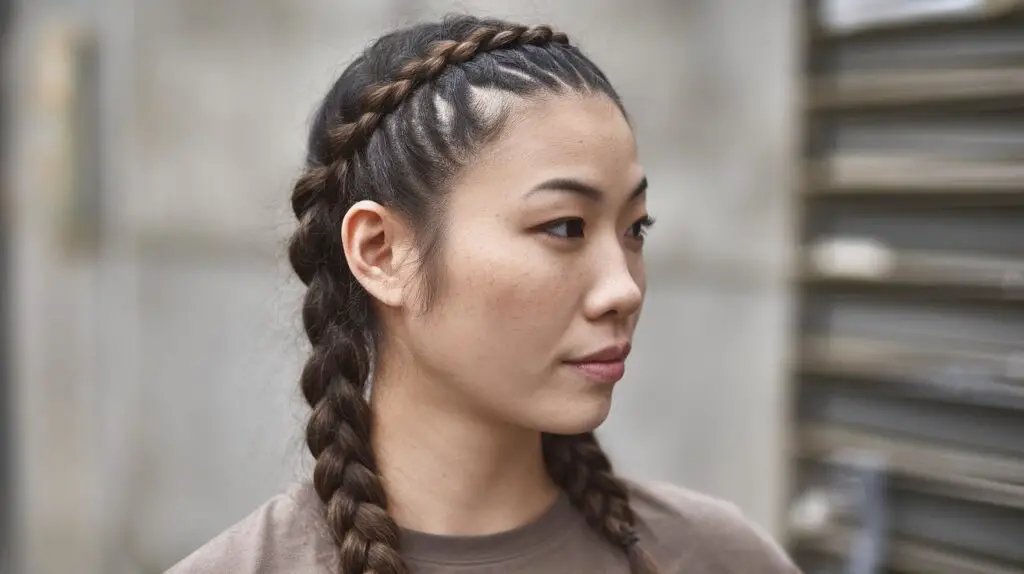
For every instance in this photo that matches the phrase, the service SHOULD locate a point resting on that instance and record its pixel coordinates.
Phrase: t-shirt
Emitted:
(684, 532)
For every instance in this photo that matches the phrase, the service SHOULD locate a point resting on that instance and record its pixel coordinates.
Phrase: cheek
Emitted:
(506, 304)
(515, 288)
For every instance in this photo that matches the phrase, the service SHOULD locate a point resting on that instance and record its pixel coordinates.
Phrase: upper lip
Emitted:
(606, 355)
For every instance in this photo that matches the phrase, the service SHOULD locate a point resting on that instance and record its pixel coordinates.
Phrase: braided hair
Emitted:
(395, 128)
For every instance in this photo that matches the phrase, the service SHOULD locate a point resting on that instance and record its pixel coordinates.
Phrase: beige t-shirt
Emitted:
(685, 532)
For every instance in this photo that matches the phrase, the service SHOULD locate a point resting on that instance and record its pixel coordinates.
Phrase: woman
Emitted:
(471, 223)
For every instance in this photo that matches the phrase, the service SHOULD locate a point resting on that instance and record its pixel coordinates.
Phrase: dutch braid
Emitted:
(581, 468)
(338, 321)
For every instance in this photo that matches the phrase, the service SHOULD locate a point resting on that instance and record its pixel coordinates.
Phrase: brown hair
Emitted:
(395, 128)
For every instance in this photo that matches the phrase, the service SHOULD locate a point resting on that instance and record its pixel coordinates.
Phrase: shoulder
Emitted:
(684, 527)
(284, 533)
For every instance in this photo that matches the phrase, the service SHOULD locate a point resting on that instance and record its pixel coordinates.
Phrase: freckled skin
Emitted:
(517, 302)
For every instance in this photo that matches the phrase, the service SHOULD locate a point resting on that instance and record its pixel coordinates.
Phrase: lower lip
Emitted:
(602, 372)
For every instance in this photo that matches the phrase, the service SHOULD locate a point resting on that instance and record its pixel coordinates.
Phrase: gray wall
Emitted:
(186, 343)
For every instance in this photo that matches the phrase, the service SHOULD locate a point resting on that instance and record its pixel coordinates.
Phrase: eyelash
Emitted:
(642, 226)
(639, 227)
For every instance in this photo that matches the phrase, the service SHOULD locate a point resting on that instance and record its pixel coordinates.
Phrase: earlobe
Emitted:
(371, 236)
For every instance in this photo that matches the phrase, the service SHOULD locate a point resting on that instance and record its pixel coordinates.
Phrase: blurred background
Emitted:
(834, 332)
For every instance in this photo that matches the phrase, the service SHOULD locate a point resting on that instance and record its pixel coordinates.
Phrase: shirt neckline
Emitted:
(452, 549)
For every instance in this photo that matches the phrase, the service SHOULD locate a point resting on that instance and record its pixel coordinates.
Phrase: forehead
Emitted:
(579, 136)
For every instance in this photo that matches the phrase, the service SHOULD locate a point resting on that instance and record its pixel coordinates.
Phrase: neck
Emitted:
(447, 472)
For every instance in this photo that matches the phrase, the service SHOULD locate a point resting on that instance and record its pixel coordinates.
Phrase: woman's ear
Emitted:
(379, 251)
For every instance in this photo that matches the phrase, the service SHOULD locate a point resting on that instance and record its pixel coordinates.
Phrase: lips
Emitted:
(607, 355)
(605, 366)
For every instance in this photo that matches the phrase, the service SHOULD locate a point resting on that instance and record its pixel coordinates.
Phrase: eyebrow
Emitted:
(584, 189)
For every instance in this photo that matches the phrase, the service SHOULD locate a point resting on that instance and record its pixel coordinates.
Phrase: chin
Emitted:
(579, 417)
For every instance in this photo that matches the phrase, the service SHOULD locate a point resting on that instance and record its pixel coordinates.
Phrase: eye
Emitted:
(571, 228)
(639, 229)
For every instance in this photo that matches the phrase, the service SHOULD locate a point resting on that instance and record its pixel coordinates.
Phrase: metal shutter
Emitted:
(909, 377)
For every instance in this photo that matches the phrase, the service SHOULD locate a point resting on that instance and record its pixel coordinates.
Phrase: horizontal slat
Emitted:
(991, 326)
(976, 518)
(906, 198)
(899, 88)
(957, 425)
(907, 357)
(916, 225)
(907, 457)
(908, 556)
(910, 287)
(874, 174)
(976, 274)
(891, 369)
(924, 480)
(992, 44)
(945, 383)
(973, 137)
(968, 488)
(843, 18)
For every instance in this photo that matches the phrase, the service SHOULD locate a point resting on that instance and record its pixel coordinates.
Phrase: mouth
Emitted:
(605, 366)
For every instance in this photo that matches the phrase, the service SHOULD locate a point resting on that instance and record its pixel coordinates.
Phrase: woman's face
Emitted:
(542, 270)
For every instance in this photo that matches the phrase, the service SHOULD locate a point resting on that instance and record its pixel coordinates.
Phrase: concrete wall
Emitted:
(195, 418)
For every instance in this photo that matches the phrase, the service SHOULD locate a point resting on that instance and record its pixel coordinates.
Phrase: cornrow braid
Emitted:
(382, 98)
(376, 136)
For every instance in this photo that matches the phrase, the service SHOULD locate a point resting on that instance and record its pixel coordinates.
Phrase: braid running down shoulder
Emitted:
(376, 136)
(579, 465)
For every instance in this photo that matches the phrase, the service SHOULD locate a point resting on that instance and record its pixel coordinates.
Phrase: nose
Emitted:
(619, 288)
